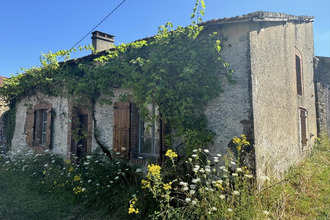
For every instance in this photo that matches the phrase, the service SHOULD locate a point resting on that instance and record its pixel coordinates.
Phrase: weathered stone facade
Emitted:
(262, 50)
(322, 88)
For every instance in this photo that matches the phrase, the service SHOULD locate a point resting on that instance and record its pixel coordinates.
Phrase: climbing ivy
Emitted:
(179, 70)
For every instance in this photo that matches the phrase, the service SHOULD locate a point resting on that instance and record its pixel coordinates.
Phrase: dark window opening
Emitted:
(303, 127)
(40, 127)
(299, 76)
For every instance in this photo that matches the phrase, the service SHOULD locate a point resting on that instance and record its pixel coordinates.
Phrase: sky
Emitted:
(29, 28)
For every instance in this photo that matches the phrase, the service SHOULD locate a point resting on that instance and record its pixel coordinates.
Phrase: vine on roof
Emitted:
(179, 70)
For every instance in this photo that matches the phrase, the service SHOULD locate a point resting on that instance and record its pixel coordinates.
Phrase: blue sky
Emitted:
(31, 27)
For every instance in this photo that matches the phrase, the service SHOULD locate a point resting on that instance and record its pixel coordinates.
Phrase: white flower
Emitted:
(202, 170)
(89, 181)
(117, 177)
(195, 150)
(207, 170)
(229, 210)
(222, 196)
(195, 180)
(188, 200)
(218, 155)
(138, 170)
(266, 212)
(206, 151)
(194, 202)
(111, 182)
(53, 161)
(192, 192)
(214, 208)
(189, 159)
(46, 165)
(118, 163)
(239, 169)
(140, 158)
(46, 151)
(236, 193)
(206, 188)
(232, 162)
(88, 157)
(133, 195)
(185, 188)
(222, 167)
(234, 174)
(194, 155)
(83, 189)
(192, 186)
(7, 161)
(216, 159)
(183, 183)
(248, 175)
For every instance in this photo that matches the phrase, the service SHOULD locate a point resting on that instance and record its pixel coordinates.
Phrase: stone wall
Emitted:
(3, 109)
(230, 114)
(275, 100)
(322, 88)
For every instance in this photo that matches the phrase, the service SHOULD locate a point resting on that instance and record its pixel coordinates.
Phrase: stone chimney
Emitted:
(102, 41)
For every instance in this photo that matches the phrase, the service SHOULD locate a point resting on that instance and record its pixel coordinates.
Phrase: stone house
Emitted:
(273, 101)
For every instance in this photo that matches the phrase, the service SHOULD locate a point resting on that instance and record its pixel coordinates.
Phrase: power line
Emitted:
(99, 24)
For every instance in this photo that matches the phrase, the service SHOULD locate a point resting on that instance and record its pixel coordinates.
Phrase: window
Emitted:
(303, 127)
(132, 136)
(38, 125)
(299, 75)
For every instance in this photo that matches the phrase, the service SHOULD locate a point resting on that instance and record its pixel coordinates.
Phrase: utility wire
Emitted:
(97, 25)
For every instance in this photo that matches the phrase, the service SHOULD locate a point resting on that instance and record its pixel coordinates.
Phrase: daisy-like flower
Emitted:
(192, 192)
(248, 175)
(229, 210)
(206, 151)
(214, 208)
(195, 180)
(239, 169)
(216, 159)
(194, 202)
(222, 196)
(236, 193)
(265, 212)
(234, 174)
(232, 162)
(192, 186)
(188, 200)
(195, 150)
(185, 188)
(194, 155)
(218, 155)
(138, 170)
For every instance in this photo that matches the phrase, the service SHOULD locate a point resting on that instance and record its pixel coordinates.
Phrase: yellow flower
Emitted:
(218, 184)
(77, 189)
(145, 184)
(131, 208)
(67, 161)
(154, 170)
(171, 154)
(167, 186)
(77, 178)
(44, 172)
(70, 169)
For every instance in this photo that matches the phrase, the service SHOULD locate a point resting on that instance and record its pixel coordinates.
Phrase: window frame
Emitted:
(303, 129)
(299, 73)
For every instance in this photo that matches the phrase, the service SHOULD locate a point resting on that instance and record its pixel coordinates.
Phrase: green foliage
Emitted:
(179, 70)
(9, 120)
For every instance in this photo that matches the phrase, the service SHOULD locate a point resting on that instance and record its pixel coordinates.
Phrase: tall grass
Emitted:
(197, 187)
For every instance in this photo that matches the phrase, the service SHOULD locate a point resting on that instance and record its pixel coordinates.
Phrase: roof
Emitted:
(1, 79)
(260, 16)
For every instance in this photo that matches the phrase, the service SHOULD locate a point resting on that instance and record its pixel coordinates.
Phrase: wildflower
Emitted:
(195, 150)
(46, 165)
(53, 161)
(236, 193)
(202, 170)
(44, 172)
(131, 208)
(189, 159)
(222, 196)
(265, 212)
(83, 189)
(145, 184)
(239, 169)
(218, 184)
(71, 169)
(195, 180)
(194, 155)
(229, 210)
(116, 163)
(77, 190)
(192, 192)
(206, 151)
(88, 157)
(194, 202)
(77, 178)
(214, 208)
(248, 176)
(154, 170)
(222, 167)
(89, 181)
(192, 186)
(216, 159)
(188, 200)
(232, 162)
(138, 170)
(167, 186)
(234, 174)
(171, 154)
(46, 151)
(207, 170)
(218, 155)
(67, 161)
(117, 177)
(133, 195)
(185, 188)
(183, 184)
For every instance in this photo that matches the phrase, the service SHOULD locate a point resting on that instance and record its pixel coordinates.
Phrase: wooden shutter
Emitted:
(299, 76)
(29, 126)
(121, 128)
(49, 126)
(303, 127)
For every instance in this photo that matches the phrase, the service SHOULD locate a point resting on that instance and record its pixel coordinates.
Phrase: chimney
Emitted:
(102, 41)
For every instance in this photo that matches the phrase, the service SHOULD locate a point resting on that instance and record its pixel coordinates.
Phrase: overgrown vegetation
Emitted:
(46, 187)
(178, 70)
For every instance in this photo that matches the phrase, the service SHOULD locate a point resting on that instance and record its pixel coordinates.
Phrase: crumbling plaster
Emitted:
(274, 94)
